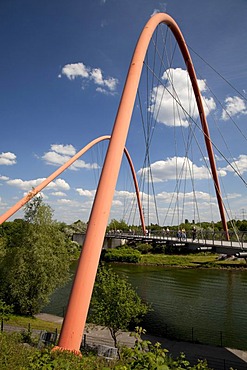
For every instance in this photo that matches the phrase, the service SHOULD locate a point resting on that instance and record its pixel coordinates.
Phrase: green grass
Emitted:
(35, 323)
(190, 260)
(14, 355)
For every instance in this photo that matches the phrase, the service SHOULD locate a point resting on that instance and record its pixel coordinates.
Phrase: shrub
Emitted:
(122, 255)
(159, 248)
(144, 248)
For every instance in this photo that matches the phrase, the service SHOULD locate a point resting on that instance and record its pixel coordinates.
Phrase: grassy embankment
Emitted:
(206, 260)
(35, 323)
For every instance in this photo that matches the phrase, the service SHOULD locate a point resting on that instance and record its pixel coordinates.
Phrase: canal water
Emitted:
(199, 305)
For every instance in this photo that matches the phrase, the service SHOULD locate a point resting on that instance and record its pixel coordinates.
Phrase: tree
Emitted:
(31, 209)
(32, 269)
(13, 232)
(115, 304)
(118, 225)
(5, 310)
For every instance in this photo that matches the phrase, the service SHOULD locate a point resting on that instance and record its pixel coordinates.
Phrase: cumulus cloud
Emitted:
(89, 74)
(63, 149)
(60, 154)
(190, 196)
(165, 170)
(234, 106)
(24, 184)
(59, 184)
(116, 202)
(85, 193)
(65, 201)
(29, 184)
(176, 85)
(240, 164)
(59, 194)
(72, 71)
(4, 178)
(7, 159)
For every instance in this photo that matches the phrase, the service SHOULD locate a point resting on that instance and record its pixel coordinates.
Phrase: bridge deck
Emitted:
(219, 246)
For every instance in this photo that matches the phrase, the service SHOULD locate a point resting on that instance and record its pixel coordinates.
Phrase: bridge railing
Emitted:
(187, 235)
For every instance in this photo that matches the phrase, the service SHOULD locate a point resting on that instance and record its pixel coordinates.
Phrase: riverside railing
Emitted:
(197, 334)
(187, 236)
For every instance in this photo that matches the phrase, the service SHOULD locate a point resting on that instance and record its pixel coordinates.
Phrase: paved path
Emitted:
(219, 358)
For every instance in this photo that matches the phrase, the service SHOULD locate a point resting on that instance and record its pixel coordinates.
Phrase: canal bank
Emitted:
(193, 305)
(218, 358)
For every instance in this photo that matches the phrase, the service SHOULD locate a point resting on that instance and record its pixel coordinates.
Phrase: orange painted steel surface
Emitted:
(56, 173)
(75, 318)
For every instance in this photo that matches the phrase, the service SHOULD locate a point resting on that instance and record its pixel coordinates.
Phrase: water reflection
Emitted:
(199, 304)
(212, 302)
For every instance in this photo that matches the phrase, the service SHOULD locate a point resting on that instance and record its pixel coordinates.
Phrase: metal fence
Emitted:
(218, 338)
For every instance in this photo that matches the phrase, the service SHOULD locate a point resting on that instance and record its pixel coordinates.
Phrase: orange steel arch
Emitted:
(75, 318)
(56, 173)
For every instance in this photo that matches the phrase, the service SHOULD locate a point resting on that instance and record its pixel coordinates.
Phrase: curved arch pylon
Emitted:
(75, 318)
(56, 173)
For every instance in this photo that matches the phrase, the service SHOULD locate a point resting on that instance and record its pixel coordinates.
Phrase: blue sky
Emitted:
(63, 67)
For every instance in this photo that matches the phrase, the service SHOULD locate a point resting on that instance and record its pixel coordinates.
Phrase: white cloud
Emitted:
(4, 178)
(104, 91)
(7, 159)
(117, 203)
(97, 77)
(124, 194)
(55, 158)
(85, 193)
(233, 196)
(25, 184)
(165, 170)
(59, 194)
(177, 84)
(234, 106)
(239, 164)
(29, 184)
(190, 196)
(60, 184)
(111, 83)
(71, 71)
(60, 154)
(65, 201)
(86, 73)
(63, 149)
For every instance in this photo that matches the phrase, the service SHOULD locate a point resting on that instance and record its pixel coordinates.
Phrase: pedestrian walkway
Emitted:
(219, 358)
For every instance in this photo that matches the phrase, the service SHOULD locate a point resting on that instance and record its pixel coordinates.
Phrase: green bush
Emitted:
(15, 356)
(144, 248)
(159, 248)
(122, 255)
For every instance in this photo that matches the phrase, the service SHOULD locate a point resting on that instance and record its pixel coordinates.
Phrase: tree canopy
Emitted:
(36, 263)
(115, 304)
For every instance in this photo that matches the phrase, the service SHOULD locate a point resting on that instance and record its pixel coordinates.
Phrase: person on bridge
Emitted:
(183, 234)
(193, 233)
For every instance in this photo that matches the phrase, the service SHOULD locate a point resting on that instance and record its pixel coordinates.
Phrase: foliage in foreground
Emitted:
(35, 262)
(115, 304)
(16, 356)
(122, 254)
